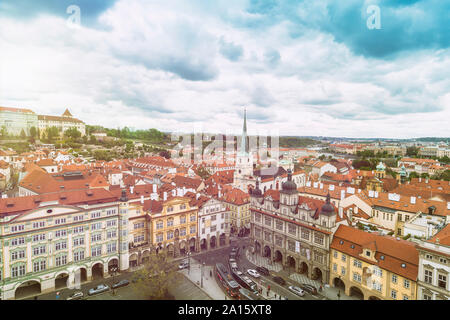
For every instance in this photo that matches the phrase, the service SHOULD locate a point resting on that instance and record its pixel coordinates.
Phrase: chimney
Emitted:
(219, 194)
(413, 200)
(426, 180)
(142, 199)
(420, 179)
(356, 209)
(197, 196)
(155, 188)
(131, 189)
(376, 194)
(165, 196)
(341, 212)
(342, 194)
(448, 205)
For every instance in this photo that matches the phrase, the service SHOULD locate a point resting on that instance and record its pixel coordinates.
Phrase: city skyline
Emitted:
(307, 69)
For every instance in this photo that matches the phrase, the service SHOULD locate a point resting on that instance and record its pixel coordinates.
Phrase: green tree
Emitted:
(155, 278)
(412, 151)
(72, 133)
(413, 175)
(23, 135)
(52, 133)
(3, 132)
(33, 132)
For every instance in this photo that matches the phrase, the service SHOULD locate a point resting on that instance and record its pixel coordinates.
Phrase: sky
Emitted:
(304, 68)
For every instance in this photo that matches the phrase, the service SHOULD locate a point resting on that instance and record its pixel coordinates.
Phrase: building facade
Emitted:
(64, 122)
(16, 120)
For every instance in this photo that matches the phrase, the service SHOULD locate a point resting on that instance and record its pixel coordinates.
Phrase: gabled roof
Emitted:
(395, 252)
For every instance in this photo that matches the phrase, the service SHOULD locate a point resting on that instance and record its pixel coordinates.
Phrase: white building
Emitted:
(213, 226)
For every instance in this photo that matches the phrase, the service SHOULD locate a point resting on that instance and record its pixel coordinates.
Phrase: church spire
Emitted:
(244, 146)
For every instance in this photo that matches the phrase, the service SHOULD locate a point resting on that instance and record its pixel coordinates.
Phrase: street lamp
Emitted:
(203, 267)
(189, 261)
(114, 270)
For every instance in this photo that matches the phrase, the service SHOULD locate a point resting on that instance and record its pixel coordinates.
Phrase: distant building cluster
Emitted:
(15, 121)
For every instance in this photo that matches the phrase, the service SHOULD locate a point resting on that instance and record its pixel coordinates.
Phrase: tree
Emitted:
(52, 133)
(155, 278)
(413, 175)
(33, 132)
(3, 132)
(72, 133)
(165, 154)
(425, 175)
(412, 151)
(23, 135)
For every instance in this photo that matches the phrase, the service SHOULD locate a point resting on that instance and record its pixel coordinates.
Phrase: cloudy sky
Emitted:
(299, 67)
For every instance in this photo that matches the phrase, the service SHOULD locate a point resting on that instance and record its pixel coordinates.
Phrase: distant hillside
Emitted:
(296, 142)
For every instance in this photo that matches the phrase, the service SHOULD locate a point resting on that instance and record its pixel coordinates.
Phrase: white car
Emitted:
(76, 295)
(297, 291)
(253, 273)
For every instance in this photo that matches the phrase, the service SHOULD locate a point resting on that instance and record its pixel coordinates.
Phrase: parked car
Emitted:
(253, 273)
(121, 283)
(98, 289)
(263, 271)
(308, 288)
(297, 290)
(279, 280)
(76, 295)
(183, 265)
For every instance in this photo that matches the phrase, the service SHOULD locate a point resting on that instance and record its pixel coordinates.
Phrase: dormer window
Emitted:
(368, 253)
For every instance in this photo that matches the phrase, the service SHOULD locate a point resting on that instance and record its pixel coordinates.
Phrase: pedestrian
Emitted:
(35, 297)
(57, 295)
(320, 288)
(268, 288)
(210, 273)
(280, 297)
(275, 295)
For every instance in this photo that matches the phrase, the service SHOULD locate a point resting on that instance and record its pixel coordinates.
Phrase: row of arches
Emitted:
(353, 291)
(34, 287)
(289, 262)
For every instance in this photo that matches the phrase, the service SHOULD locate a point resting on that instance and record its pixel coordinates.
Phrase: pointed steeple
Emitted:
(244, 146)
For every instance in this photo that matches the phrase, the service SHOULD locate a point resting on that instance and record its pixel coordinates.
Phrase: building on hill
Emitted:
(372, 266)
(16, 120)
(64, 122)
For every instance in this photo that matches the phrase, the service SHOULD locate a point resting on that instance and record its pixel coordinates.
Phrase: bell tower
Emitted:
(244, 161)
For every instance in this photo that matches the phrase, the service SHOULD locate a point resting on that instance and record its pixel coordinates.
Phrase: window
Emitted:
(15, 255)
(169, 209)
(356, 277)
(60, 221)
(110, 212)
(78, 229)
(305, 234)
(393, 294)
(442, 260)
(96, 251)
(139, 238)
(183, 206)
(78, 256)
(111, 223)
(60, 245)
(368, 253)
(183, 219)
(17, 228)
(60, 233)
(426, 297)
(406, 283)
(78, 241)
(267, 221)
(213, 217)
(96, 237)
(428, 276)
(39, 224)
(193, 218)
(357, 263)
(192, 229)
(405, 297)
(61, 260)
(318, 257)
(111, 234)
(343, 271)
(170, 222)
(169, 235)
(344, 258)
(334, 267)
(78, 218)
(182, 231)
(18, 271)
(159, 237)
(96, 226)
(394, 278)
(291, 245)
(139, 225)
(159, 225)
(39, 250)
(95, 214)
(111, 247)
(38, 237)
(292, 229)
(257, 217)
(39, 266)
(318, 238)
(213, 228)
(17, 241)
(442, 281)
(279, 225)
(377, 286)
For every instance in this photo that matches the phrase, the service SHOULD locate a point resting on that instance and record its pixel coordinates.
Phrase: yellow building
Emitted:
(174, 225)
(372, 266)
